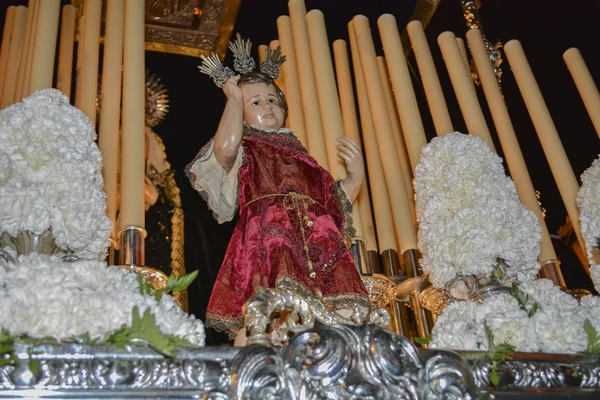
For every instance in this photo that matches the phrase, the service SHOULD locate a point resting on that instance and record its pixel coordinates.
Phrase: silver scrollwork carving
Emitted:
(302, 312)
(332, 362)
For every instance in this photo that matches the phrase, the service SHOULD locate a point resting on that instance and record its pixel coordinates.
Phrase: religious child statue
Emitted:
(293, 229)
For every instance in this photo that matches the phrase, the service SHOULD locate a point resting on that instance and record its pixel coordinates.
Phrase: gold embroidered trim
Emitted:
(269, 136)
(345, 206)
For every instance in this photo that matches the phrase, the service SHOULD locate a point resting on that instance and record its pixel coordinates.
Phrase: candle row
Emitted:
(27, 64)
(392, 132)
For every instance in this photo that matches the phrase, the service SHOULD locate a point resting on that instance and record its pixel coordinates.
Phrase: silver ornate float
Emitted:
(333, 362)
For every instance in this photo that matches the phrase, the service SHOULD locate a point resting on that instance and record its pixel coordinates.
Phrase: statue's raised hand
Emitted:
(231, 88)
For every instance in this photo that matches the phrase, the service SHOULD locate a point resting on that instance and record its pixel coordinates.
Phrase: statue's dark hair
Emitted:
(261, 77)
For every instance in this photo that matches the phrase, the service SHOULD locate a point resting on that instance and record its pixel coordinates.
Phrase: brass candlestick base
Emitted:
(132, 255)
(113, 251)
(551, 270)
(409, 292)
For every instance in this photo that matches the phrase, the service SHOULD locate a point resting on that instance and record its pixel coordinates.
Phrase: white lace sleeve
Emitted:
(218, 187)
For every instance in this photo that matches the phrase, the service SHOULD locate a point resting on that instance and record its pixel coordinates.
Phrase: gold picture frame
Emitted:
(186, 27)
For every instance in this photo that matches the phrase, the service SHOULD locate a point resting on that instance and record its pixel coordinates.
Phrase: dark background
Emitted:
(546, 28)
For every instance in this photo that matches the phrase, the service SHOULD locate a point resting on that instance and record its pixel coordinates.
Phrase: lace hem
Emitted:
(338, 302)
(230, 326)
(345, 205)
(219, 188)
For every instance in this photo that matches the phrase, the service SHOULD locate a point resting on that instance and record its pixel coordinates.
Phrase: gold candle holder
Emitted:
(551, 270)
(409, 292)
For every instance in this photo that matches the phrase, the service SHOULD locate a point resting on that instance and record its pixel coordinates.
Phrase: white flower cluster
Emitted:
(41, 296)
(588, 200)
(469, 213)
(556, 326)
(50, 174)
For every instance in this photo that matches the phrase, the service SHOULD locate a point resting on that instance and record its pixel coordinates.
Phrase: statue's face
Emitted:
(261, 106)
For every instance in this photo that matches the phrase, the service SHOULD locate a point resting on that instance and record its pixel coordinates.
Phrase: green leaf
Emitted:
(497, 353)
(533, 310)
(494, 377)
(6, 343)
(179, 341)
(427, 339)
(145, 286)
(176, 284)
(5, 336)
(6, 348)
(593, 345)
(34, 367)
(145, 328)
(119, 338)
(524, 299)
(7, 359)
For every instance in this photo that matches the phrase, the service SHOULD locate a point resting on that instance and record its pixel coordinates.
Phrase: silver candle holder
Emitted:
(131, 240)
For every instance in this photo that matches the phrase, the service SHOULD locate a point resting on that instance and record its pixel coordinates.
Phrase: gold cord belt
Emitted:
(291, 202)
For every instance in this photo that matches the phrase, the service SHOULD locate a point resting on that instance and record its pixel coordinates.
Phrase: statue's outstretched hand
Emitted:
(355, 165)
(350, 152)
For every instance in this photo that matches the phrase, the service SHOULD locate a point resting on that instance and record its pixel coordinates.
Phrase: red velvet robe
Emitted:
(267, 247)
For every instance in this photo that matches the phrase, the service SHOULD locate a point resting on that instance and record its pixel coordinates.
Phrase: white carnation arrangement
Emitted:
(50, 174)
(470, 217)
(538, 317)
(588, 200)
(43, 297)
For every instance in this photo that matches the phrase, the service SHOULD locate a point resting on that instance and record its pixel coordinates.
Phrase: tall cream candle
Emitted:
(80, 35)
(585, 85)
(308, 90)
(403, 221)
(46, 33)
(109, 129)
(14, 52)
(65, 51)
(35, 15)
(27, 42)
(344, 82)
(90, 57)
(291, 79)
(406, 102)
(262, 53)
(463, 53)
(279, 81)
(508, 139)
(398, 135)
(546, 131)
(464, 89)
(429, 78)
(386, 234)
(9, 19)
(132, 157)
(328, 100)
